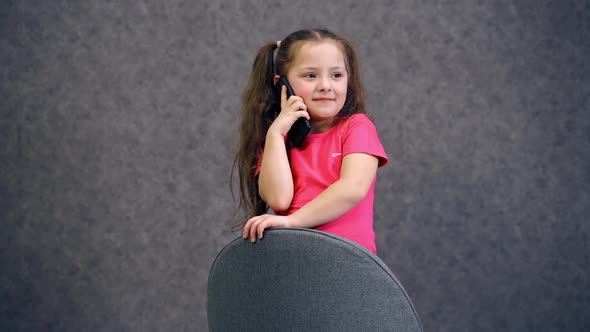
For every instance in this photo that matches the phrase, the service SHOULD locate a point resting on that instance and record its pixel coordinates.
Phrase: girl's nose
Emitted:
(325, 85)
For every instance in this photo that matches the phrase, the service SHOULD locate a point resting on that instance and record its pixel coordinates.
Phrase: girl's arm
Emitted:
(275, 181)
(356, 177)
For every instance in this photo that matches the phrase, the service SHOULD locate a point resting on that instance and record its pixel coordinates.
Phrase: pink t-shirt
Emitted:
(316, 165)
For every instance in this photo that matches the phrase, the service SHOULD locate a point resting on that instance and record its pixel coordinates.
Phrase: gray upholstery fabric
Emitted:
(305, 280)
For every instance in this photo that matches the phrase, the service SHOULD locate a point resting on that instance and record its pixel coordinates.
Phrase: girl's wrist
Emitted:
(292, 221)
(272, 135)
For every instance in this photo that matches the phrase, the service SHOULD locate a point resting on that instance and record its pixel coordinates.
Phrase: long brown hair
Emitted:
(257, 101)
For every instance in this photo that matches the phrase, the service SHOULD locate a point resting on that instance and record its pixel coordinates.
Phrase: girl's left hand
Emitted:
(255, 226)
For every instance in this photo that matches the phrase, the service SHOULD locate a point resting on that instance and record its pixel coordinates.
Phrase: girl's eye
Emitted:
(338, 75)
(310, 75)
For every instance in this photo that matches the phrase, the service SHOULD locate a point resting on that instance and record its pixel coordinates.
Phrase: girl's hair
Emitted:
(257, 101)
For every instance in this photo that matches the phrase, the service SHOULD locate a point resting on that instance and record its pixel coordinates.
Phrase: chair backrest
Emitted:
(305, 280)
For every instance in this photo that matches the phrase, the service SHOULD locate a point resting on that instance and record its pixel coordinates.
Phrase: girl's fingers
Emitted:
(246, 230)
(304, 114)
(292, 104)
(299, 109)
(283, 96)
(255, 226)
(295, 100)
(300, 106)
(254, 230)
(253, 233)
(261, 228)
(249, 226)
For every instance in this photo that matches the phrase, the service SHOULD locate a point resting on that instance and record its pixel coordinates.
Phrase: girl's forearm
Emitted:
(332, 203)
(275, 180)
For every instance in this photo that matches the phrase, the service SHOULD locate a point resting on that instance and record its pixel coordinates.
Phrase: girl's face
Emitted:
(318, 75)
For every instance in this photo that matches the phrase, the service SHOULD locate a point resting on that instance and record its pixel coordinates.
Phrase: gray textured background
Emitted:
(118, 125)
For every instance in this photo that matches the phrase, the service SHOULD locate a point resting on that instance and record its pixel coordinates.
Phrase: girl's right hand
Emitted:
(291, 110)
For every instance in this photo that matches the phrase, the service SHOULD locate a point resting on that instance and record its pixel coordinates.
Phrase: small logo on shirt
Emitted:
(336, 154)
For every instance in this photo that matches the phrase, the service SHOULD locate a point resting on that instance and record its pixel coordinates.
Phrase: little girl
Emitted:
(328, 182)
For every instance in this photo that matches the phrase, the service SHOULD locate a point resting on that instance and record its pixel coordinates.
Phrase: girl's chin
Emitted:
(323, 114)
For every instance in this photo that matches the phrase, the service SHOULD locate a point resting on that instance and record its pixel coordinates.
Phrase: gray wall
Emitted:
(118, 125)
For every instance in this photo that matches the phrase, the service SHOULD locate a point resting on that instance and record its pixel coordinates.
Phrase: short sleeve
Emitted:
(360, 136)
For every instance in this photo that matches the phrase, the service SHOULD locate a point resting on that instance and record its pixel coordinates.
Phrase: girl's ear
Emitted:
(276, 79)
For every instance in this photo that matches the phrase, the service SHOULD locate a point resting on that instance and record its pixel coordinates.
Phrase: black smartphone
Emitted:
(301, 127)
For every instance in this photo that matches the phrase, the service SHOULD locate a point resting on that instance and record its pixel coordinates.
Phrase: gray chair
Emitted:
(305, 280)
